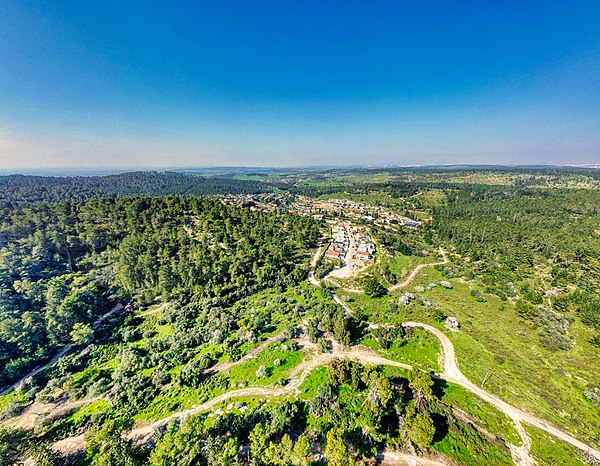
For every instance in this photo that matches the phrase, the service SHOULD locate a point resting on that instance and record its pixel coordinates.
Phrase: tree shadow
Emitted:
(439, 387)
(441, 427)
(357, 329)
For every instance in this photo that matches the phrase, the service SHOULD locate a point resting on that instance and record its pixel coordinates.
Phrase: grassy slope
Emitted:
(495, 340)
(547, 451)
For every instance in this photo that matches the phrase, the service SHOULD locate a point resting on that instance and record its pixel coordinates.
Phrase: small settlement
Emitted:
(351, 246)
(320, 209)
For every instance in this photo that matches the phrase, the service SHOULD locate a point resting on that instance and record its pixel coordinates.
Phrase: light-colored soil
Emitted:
(351, 265)
(313, 264)
(451, 372)
(397, 458)
(66, 349)
(411, 276)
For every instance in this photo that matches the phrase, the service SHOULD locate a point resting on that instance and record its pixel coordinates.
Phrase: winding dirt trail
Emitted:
(398, 458)
(453, 374)
(411, 276)
(521, 454)
(225, 366)
(297, 376)
(66, 349)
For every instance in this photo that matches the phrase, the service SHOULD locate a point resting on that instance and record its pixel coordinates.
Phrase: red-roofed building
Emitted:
(333, 254)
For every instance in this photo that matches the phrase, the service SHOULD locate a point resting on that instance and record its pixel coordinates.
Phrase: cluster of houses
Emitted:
(364, 246)
(318, 208)
(353, 239)
(340, 242)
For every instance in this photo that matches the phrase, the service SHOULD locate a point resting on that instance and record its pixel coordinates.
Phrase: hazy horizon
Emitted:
(103, 171)
(147, 85)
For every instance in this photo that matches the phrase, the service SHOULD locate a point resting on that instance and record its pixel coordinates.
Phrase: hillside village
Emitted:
(319, 209)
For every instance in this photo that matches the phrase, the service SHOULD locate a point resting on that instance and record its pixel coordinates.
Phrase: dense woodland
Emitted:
(539, 247)
(64, 264)
(21, 190)
(72, 249)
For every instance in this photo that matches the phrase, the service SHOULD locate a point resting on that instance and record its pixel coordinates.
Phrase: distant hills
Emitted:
(18, 190)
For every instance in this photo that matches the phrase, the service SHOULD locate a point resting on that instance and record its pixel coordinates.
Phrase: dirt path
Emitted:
(343, 304)
(225, 366)
(313, 265)
(297, 376)
(66, 349)
(160, 308)
(57, 410)
(343, 288)
(411, 276)
(398, 458)
(453, 374)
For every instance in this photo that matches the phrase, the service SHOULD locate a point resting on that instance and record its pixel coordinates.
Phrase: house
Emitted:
(363, 255)
(333, 254)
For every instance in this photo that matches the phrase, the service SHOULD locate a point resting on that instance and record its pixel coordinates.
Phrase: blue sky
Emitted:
(132, 84)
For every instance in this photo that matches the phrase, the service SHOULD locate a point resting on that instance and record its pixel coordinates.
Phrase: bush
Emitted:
(193, 373)
(478, 296)
(374, 289)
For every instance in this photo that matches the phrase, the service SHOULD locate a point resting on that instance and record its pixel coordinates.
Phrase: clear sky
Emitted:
(284, 83)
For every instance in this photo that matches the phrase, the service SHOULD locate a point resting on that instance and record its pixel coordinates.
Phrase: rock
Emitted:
(446, 284)
(261, 372)
(452, 323)
(419, 289)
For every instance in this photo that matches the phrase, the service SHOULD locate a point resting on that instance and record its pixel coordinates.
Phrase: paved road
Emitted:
(347, 271)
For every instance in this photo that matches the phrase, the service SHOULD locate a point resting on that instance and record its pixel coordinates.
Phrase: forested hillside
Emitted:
(539, 247)
(18, 190)
(188, 323)
(62, 265)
